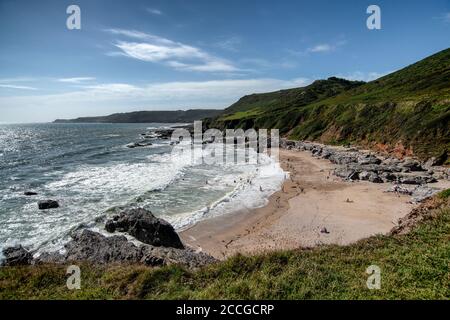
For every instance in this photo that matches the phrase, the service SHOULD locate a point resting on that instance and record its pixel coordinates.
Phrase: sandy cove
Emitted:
(310, 200)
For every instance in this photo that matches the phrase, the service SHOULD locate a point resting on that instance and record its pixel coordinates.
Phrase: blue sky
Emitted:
(170, 55)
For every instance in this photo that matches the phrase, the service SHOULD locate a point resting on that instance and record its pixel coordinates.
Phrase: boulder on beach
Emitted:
(48, 204)
(145, 227)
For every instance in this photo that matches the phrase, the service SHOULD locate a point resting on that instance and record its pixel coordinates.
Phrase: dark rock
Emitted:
(48, 204)
(344, 157)
(400, 189)
(411, 178)
(93, 247)
(368, 159)
(17, 256)
(411, 165)
(374, 178)
(417, 193)
(89, 246)
(30, 193)
(138, 144)
(186, 257)
(370, 176)
(50, 257)
(326, 153)
(435, 161)
(145, 227)
(388, 177)
(164, 133)
(346, 173)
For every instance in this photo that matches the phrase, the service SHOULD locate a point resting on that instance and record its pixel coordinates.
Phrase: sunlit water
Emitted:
(89, 170)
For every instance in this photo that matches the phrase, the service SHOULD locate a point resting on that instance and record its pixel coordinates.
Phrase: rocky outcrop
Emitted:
(16, 256)
(353, 165)
(162, 245)
(93, 247)
(138, 144)
(145, 227)
(48, 204)
(417, 193)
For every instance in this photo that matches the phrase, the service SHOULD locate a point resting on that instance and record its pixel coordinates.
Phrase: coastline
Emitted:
(313, 207)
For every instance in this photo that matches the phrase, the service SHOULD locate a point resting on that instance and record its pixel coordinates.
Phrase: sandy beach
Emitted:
(313, 207)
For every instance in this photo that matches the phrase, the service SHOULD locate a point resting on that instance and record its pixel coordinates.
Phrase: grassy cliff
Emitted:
(407, 111)
(414, 265)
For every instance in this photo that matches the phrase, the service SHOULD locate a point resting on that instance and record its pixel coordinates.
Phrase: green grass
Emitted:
(410, 107)
(413, 266)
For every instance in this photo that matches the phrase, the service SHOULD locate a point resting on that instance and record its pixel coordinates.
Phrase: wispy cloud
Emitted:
(154, 11)
(12, 86)
(174, 54)
(326, 47)
(76, 80)
(119, 97)
(443, 17)
(229, 44)
(321, 48)
(17, 79)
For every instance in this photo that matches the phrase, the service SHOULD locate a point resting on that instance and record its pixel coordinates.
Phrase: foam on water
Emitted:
(253, 185)
(168, 183)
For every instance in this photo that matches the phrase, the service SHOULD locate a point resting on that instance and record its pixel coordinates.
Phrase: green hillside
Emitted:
(408, 109)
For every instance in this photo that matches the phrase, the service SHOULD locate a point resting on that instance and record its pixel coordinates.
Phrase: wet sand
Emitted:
(314, 207)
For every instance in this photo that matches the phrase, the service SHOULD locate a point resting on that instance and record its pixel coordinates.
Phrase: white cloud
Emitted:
(154, 11)
(12, 86)
(122, 97)
(76, 80)
(173, 54)
(321, 48)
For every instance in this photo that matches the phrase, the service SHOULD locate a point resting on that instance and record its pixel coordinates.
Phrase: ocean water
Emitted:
(89, 170)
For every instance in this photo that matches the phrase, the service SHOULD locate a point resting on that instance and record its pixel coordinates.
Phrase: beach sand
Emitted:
(314, 207)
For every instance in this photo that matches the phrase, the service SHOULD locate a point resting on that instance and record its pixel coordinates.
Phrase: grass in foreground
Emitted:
(413, 266)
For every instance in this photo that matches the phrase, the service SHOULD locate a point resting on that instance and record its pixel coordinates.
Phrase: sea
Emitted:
(91, 172)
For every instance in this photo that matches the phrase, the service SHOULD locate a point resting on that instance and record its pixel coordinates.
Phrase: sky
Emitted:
(173, 54)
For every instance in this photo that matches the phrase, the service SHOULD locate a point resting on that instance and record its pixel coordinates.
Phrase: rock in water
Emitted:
(145, 227)
(48, 204)
(17, 256)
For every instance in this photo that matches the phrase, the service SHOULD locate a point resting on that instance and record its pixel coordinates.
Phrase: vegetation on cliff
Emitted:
(407, 111)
